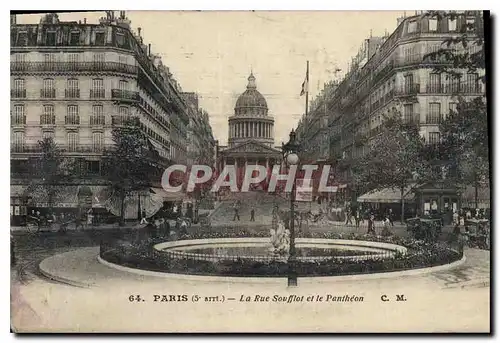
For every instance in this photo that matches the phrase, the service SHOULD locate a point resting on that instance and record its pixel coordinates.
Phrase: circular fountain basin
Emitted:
(307, 249)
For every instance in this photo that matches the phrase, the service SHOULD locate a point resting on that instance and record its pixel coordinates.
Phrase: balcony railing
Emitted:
(49, 93)
(434, 118)
(124, 95)
(455, 88)
(18, 93)
(120, 120)
(411, 118)
(72, 93)
(70, 148)
(97, 93)
(97, 120)
(72, 66)
(47, 119)
(18, 119)
(407, 90)
(72, 120)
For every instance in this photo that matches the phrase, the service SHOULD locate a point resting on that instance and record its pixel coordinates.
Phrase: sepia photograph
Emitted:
(250, 171)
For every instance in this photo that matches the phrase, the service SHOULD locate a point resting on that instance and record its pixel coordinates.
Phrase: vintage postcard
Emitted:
(250, 171)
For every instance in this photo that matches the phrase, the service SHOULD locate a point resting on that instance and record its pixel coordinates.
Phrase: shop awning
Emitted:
(168, 196)
(387, 195)
(64, 196)
(483, 197)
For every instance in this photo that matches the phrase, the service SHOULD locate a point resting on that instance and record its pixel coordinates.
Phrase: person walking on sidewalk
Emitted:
(390, 217)
(236, 208)
(252, 214)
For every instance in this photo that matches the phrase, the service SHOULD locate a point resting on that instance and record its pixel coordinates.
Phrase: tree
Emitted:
(465, 131)
(50, 170)
(130, 165)
(465, 143)
(394, 159)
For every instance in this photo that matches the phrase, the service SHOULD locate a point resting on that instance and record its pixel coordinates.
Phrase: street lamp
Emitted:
(290, 156)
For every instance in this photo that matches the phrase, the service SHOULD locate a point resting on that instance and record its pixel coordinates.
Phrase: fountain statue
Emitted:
(280, 236)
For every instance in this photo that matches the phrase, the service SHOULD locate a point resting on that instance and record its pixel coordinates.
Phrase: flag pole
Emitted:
(307, 89)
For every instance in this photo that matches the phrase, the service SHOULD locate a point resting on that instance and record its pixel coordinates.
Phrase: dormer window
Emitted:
(412, 26)
(51, 38)
(433, 24)
(74, 38)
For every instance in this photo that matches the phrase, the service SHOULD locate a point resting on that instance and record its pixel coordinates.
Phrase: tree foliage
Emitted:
(131, 164)
(394, 160)
(49, 170)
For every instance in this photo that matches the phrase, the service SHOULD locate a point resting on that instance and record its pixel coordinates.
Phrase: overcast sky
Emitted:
(212, 53)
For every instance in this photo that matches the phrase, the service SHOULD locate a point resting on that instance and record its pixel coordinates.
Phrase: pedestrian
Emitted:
(252, 214)
(386, 231)
(143, 217)
(456, 223)
(371, 223)
(236, 209)
(348, 214)
(390, 217)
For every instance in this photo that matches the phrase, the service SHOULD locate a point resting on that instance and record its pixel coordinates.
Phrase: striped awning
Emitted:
(387, 195)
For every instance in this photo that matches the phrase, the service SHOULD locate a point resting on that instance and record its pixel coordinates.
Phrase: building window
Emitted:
(408, 116)
(412, 27)
(19, 90)
(120, 39)
(72, 117)
(72, 141)
(434, 137)
(51, 38)
(453, 107)
(433, 24)
(435, 83)
(97, 90)
(74, 38)
(472, 85)
(97, 141)
(124, 111)
(469, 25)
(123, 85)
(19, 116)
(97, 115)
(73, 58)
(452, 24)
(48, 116)
(93, 167)
(434, 114)
(22, 38)
(73, 84)
(48, 84)
(18, 140)
(99, 38)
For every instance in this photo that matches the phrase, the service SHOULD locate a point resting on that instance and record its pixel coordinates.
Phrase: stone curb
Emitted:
(45, 272)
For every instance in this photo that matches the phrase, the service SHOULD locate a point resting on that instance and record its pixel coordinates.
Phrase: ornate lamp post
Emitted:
(290, 157)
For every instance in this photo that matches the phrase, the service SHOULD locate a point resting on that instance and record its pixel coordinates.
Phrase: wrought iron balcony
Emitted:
(411, 118)
(97, 93)
(434, 118)
(72, 120)
(97, 120)
(124, 95)
(121, 120)
(49, 93)
(72, 67)
(66, 148)
(17, 119)
(47, 119)
(407, 90)
(18, 93)
(72, 93)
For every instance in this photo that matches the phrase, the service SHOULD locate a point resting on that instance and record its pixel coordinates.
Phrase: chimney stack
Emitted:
(149, 49)
(85, 20)
(139, 31)
(13, 19)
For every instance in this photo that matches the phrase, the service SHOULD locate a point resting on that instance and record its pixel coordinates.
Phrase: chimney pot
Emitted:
(85, 20)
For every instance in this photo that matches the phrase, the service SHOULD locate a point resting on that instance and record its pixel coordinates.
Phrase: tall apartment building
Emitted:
(201, 142)
(76, 81)
(390, 76)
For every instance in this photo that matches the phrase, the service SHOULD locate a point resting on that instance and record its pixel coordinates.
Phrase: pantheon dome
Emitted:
(250, 120)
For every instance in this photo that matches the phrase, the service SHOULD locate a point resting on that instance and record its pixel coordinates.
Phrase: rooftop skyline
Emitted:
(212, 53)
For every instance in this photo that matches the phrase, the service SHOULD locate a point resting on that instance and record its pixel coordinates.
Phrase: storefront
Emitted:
(389, 198)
